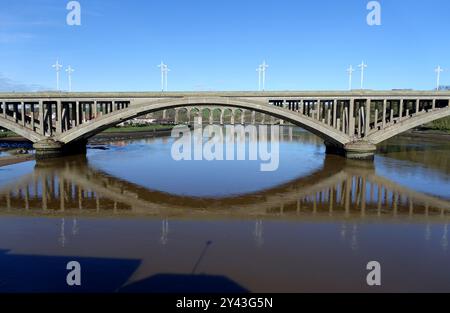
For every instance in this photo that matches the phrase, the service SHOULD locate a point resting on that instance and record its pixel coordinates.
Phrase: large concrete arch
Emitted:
(139, 108)
(407, 124)
(21, 130)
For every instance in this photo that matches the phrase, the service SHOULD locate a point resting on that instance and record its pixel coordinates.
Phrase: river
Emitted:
(136, 220)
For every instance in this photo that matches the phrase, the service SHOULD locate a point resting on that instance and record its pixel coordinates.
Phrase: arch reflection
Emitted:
(339, 188)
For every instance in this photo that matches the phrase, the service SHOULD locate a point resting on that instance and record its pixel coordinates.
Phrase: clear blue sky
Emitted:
(217, 45)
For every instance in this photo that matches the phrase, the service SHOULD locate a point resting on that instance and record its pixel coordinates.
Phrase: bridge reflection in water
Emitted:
(340, 188)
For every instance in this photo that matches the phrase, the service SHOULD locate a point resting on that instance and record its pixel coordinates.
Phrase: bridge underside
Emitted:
(351, 124)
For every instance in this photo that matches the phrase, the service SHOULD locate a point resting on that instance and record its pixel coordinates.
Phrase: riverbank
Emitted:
(428, 134)
(126, 133)
(15, 159)
(112, 133)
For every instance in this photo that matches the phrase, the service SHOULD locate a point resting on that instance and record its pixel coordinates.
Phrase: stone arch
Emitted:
(193, 113)
(239, 116)
(182, 115)
(205, 112)
(227, 115)
(216, 113)
(85, 131)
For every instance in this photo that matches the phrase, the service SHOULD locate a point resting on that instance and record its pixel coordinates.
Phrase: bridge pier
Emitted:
(359, 150)
(48, 148)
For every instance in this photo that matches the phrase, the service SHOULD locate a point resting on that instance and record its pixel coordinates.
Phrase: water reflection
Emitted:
(339, 187)
(422, 153)
(149, 164)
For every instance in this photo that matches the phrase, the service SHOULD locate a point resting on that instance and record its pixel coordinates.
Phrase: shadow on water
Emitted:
(190, 283)
(32, 273)
(37, 274)
(176, 283)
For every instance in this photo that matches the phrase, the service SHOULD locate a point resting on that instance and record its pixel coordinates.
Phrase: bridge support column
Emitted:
(176, 116)
(222, 112)
(211, 116)
(351, 118)
(48, 148)
(359, 150)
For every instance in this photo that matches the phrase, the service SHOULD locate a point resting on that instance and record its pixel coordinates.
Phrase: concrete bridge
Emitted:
(351, 123)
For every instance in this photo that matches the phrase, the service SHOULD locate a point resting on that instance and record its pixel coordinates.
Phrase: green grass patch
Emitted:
(7, 134)
(442, 125)
(132, 129)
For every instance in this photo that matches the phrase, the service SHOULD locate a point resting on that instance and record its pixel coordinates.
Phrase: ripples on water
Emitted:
(139, 221)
